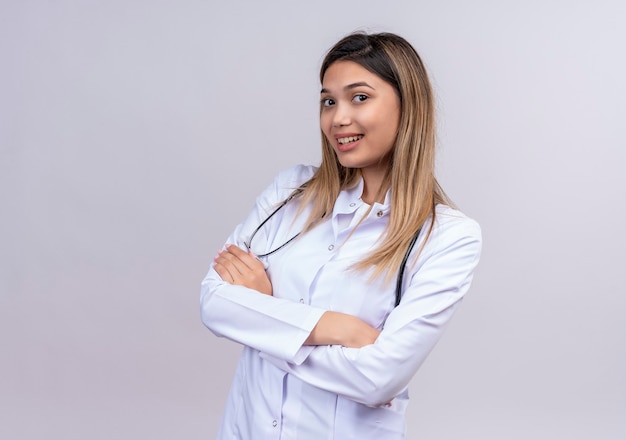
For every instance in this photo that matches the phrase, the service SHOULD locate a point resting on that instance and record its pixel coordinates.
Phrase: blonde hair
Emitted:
(411, 172)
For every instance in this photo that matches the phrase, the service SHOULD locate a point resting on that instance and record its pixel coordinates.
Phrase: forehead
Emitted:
(343, 73)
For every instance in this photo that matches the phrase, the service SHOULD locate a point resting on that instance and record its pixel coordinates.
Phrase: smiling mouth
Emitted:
(349, 139)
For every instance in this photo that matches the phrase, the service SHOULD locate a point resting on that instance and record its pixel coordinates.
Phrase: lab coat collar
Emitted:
(349, 200)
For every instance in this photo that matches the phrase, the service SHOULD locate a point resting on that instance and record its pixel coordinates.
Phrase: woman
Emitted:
(307, 283)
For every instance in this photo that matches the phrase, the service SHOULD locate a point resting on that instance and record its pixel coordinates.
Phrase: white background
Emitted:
(134, 135)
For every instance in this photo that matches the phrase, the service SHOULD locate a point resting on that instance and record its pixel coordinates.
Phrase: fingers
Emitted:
(239, 267)
(246, 258)
(227, 266)
(233, 263)
(224, 269)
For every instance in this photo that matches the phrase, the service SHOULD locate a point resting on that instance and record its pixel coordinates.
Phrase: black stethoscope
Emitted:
(298, 192)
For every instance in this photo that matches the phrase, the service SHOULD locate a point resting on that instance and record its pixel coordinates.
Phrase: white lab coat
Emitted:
(284, 390)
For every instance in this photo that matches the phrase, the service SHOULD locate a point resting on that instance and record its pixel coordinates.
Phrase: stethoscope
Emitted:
(297, 192)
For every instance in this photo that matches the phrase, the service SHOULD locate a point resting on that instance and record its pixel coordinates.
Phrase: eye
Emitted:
(327, 102)
(360, 98)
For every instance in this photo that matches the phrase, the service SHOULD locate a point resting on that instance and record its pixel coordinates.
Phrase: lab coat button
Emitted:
(379, 214)
(301, 300)
(331, 247)
(274, 423)
(352, 204)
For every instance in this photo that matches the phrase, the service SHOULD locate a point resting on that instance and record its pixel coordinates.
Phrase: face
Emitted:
(360, 115)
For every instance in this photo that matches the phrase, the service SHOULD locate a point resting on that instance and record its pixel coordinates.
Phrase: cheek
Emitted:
(393, 123)
(379, 124)
(325, 124)
(388, 130)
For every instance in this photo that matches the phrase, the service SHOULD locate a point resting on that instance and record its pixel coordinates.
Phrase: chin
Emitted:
(347, 164)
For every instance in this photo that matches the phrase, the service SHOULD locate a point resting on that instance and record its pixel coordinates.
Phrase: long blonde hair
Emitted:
(411, 172)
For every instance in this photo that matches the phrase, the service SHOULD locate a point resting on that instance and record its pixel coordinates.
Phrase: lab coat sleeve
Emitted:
(275, 326)
(373, 375)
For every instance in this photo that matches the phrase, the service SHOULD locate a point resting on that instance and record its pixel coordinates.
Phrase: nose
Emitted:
(342, 115)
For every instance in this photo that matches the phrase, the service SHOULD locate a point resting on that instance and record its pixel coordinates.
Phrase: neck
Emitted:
(372, 185)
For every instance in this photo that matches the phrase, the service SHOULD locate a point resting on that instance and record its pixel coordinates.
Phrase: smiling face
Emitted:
(360, 115)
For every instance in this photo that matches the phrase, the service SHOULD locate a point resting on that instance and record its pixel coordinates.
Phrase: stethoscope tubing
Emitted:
(400, 278)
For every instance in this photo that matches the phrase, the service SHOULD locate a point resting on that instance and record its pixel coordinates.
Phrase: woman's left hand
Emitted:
(241, 268)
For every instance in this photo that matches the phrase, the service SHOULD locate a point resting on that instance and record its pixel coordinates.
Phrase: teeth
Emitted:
(349, 139)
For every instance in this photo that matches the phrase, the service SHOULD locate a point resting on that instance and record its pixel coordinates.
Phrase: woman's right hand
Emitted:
(336, 328)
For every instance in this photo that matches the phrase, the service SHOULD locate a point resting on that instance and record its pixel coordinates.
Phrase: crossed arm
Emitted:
(237, 267)
(345, 355)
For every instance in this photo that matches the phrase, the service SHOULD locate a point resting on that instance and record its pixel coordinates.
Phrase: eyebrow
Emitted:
(352, 86)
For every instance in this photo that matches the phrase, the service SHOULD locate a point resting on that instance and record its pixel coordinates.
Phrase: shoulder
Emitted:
(284, 183)
(295, 176)
(450, 218)
(287, 180)
(452, 227)
(452, 249)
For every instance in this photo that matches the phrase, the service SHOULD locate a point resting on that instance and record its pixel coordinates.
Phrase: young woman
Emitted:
(342, 278)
